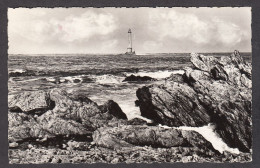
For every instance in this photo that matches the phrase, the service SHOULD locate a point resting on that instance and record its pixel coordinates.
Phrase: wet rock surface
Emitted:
(216, 90)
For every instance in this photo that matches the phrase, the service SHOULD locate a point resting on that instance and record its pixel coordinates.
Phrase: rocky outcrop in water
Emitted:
(133, 78)
(216, 90)
(63, 115)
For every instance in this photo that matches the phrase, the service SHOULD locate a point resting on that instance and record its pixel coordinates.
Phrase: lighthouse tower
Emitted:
(129, 48)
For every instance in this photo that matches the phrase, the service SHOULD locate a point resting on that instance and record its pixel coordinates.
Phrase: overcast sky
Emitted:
(104, 30)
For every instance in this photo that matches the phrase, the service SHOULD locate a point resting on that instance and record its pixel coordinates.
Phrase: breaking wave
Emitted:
(109, 79)
(158, 74)
(210, 135)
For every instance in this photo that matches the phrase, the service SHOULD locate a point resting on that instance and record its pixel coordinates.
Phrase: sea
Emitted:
(101, 78)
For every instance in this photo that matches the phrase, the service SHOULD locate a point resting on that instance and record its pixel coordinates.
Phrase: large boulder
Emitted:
(69, 115)
(30, 102)
(172, 104)
(157, 137)
(217, 90)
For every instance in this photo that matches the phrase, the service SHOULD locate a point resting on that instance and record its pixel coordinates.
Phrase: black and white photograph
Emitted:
(129, 85)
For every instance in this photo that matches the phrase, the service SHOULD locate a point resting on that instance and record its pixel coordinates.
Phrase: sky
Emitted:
(104, 30)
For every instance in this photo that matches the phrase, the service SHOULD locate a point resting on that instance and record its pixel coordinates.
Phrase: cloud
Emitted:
(74, 30)
(189, 27)
(228, 33)
(179, 26)
(88, 25)
(68, 29)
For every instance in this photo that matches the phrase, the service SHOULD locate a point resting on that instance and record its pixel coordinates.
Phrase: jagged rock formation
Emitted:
(65, 115)
(130, 136)
(216, 90)
(172, 104)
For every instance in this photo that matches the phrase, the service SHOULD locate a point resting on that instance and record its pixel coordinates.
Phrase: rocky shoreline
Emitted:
(57, 127)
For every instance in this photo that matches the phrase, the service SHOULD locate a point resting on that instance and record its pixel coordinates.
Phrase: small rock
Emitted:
(30, 146)
(56, 160)
(115, 160)
(13, 145)
(64, 145)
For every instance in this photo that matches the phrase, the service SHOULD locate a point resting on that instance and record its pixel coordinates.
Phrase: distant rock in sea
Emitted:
(133, 78)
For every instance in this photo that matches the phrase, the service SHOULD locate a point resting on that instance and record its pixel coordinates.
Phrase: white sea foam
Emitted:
(109, 79)
(50, 79)
(17, 71)
(71, 78)
(23, 81)
(157, 74)
(208, 133)
(130, 110)
(67, 78)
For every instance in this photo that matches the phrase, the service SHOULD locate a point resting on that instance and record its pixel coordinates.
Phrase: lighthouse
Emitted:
(129, 48)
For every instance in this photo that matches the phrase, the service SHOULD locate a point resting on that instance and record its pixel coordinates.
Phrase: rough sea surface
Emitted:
(100, 77)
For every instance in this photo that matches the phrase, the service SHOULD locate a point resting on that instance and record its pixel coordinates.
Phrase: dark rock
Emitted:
(76, 80)
(85, 79)
(217, 90)
(23, 73)
(113, 108)
(133, 78)
(132, 135)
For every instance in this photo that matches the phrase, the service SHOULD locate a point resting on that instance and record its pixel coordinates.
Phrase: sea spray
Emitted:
(210, 135)
(157, 74)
